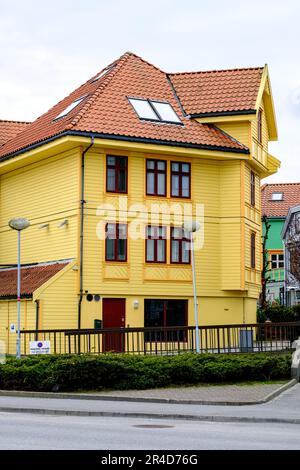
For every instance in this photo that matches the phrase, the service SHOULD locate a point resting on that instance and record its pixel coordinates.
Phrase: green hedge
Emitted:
(279, 313)
(121, 372)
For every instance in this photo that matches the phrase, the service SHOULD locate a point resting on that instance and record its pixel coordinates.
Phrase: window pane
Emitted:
(122, 162)
(185, 252)
(111, 231)
(281, 264)
(111, 179)
(161, 165)
(122, 232)
(110, 249)
(143, 109)
(175, 185)
(281, 257)
(111, 161)
(161, 184)
(176, 312)
(150, 164)
(166, 111)
(150, 183)
(185, 186)
(274, 257)
(150, 250)
(121, 250)
(175, 166)
(185, 168)
(160, 250)
(274, 265)
(122, 181)
(176, 232)
(175, 251)
(154, 313)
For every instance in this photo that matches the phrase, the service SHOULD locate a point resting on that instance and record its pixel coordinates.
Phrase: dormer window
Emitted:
(277, 196)
(151, 110)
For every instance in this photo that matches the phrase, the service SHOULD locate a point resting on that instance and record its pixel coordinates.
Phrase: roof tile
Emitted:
(9, 130)
(32, 277)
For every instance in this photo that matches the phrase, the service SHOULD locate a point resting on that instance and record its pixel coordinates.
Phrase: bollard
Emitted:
(295, 369)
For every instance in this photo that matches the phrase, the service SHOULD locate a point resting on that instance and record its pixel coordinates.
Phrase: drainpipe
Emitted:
(82, 204)
(37, 317)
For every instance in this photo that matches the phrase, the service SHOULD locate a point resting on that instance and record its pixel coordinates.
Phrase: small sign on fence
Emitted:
(40, 347)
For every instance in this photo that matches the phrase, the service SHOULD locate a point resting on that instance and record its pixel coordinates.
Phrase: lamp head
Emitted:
(19, 223)
(191, 226)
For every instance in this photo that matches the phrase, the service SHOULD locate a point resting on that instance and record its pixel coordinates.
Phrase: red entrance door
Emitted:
(113, 317)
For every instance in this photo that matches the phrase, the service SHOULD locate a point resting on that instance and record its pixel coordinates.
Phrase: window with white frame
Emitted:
(277, 260)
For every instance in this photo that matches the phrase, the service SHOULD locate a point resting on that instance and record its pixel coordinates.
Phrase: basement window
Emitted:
(69, 108)
(277, 196)
(150, 110)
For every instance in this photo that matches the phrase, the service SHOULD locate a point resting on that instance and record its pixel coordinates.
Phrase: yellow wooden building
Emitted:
(115, 158)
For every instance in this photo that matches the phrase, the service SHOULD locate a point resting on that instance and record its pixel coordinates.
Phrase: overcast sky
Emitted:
(48, 48)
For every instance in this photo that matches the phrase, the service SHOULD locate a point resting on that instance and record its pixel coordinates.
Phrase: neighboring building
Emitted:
(10, 129)
(291, 238)
(276, 200)
(134, 137)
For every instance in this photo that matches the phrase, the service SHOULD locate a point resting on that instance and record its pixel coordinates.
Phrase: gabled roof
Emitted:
(106, 112)
(32, 277)
(291, 212)
(9, 130)
(219, 91)
(291, 197)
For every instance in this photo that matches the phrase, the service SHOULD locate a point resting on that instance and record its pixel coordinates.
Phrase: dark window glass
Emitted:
(253, 251)
(165, 313)
(156, 173)
(252, 186)
(180, 179)
(259, 126)
(116, 174)
(116, 242)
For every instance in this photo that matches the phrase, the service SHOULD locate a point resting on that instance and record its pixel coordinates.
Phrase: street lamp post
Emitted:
(192, 227)
(19, 224)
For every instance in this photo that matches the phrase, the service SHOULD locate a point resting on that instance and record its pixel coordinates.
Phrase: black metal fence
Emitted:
(259, 337)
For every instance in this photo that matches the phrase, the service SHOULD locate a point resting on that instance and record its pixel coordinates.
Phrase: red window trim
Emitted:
(252, 188)
(180, 240)
(116, 167)
(180, 173)
(156, 172)
(253, 250)
(259, 125)
(157, 237)
(116, 244)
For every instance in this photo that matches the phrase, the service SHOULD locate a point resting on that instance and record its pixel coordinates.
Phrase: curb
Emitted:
(211, 418)
(85, 396)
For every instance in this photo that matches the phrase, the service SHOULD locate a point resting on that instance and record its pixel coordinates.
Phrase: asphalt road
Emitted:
(66, 432)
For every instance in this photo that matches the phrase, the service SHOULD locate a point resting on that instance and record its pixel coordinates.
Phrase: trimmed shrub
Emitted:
(121, 372)
(279, 313)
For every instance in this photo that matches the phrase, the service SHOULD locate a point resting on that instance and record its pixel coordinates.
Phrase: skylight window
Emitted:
(69, 108)
(277, 196)
(104, 72)
(154, 110)
(165, 111)
(144, 109)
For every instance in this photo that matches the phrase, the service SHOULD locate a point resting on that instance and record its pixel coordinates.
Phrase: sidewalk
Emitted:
(202, 395)
(283, 409)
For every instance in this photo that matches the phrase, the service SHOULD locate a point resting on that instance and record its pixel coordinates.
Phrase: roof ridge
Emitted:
(236, 69)
(15, 122)
(279, 184)
(102, 85)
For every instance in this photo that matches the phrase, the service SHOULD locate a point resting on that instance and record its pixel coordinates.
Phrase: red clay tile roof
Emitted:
(218, 91)
(9, 130)
(107, 112)
(291, 197)
(32, 277)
